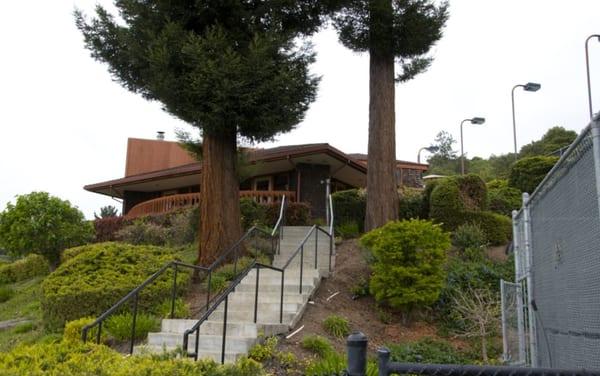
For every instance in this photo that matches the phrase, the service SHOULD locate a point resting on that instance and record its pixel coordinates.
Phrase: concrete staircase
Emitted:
(241, 332)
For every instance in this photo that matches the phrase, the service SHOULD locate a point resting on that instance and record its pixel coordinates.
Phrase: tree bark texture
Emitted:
(382, 195)
(220, 225)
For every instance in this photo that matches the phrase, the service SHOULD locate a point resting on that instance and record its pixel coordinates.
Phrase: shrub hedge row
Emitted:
(28, 267)
(73, 359)
(463, 199)
(94, 277)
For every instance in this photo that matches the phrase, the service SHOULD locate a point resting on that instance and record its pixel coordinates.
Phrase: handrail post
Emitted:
(84, 333)
(330, 250)
(383, 358)
(256, 294)
(196, 350)
(98, 336)
(316, 245)
(174, 291)
(301, 265)
(135, 307)
(281, 301)
(224, 331)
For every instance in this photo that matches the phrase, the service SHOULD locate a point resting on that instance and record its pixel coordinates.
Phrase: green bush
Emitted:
(317, 345)
(42, 224)
(410, 203)
(502, 198)
(350, 207)
(6, 293)
(218, 283)
(253, 213)
(182, 227)
(408, 266)
(527, 173)
(426, 201)
(143, 231)
(73, 359)
(120, 326)
(26, 268)
(182, 309)
(94, 280)
(361, 288)
(337, 326)
(334, 364)
(469, 235)
(497, 228)
(427, 350)
(263, 351)
(74, 330)
(23, 328)
(454, 196)
(296, 214)
(348, 230)
(473, 191)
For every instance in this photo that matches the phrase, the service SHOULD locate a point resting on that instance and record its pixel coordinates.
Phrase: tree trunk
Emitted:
(484, 354)
(382, 195)
(220, 225)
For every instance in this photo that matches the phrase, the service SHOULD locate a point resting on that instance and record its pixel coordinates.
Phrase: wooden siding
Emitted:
(153, 155)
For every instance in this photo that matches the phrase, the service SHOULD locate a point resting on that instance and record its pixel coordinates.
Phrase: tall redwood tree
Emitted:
(392, 31)
(233, 69)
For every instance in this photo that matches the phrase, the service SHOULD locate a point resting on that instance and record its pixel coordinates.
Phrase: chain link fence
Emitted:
(556, 292)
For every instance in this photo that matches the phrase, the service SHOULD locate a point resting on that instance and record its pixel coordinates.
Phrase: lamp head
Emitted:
(432, 149)
(477, 120)
(532, 86)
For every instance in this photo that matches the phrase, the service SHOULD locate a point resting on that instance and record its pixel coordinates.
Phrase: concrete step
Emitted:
(269, 297)
(242, 329)
(288, 287)
(230, 357)
(248, 315)
(207, 342)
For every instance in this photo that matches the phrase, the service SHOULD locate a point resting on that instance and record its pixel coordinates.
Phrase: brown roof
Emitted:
(255, 155)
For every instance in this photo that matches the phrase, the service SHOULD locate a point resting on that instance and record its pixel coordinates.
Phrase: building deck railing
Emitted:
(167, 204)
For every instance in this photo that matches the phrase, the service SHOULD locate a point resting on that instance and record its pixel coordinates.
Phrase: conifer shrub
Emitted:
(28, 267)
(74, 330)
(502, 198)
(100, 274)
(426, 200)
(350, 207)
(408, 263)
(75, 358)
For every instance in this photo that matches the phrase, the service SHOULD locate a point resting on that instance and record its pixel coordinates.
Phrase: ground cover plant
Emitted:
(92, 281)
(23, 269)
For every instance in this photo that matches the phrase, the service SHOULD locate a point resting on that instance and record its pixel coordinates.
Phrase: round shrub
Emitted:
(527, 173)
(42, 224)
(95, 279)
(497, 228)
(408, 262)
(26, 268)
(502, 198)
(446, 205)
(426, 202)
(473, 191)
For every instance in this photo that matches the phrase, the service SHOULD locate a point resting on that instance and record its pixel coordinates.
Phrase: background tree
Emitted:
(444, 161)
(108, 211)
(232, 69)
(391, 31)
(552, 141)
(42, 224)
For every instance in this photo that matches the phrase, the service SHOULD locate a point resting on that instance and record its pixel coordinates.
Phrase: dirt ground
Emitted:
(362, 313)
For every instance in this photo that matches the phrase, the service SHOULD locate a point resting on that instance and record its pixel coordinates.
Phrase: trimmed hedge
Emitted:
(74, 359)
(426, 202)
(98, 275)
(410, 203)
(458, 200)
(527, 173)
(25, 268)
(350, 207)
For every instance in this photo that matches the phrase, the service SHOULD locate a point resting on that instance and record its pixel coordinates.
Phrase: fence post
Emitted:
(528, 267)
(518, 274)
(383, 358)
(356, 345)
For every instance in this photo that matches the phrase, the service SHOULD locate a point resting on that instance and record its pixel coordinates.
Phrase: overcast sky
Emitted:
(65, 123)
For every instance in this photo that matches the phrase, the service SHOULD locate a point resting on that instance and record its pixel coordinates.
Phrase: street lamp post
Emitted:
(431, 149)
(587, 69)
(530, 86)
(475, 120)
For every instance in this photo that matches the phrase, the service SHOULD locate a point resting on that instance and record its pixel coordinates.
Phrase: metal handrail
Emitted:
(281, 216)
(330, 215)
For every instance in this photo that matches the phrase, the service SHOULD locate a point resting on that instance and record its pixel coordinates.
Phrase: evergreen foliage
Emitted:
(42, 224)
(108, 211)
(408, 267)
(349, 207)
(527, 173)
(552, 141)
(502, 198)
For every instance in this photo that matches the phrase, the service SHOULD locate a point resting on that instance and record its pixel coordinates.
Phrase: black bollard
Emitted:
(357, 354)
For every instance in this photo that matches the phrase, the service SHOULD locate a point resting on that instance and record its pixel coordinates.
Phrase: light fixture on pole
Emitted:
(530, 86)
(475, 120)
(587, 69)
(431, 149)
